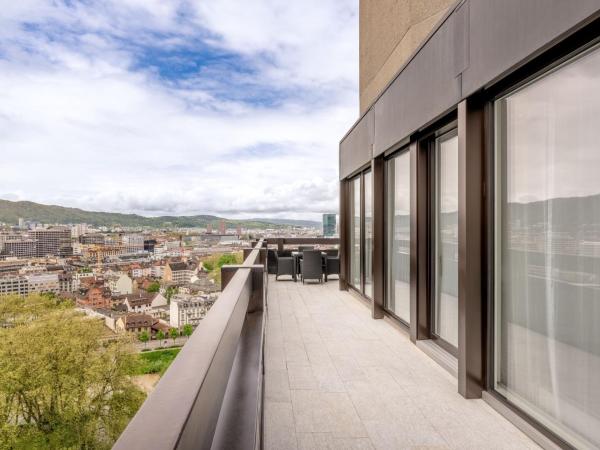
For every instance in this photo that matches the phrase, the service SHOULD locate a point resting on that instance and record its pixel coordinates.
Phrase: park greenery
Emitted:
(213, 263)
(62, 383)
(157, 361)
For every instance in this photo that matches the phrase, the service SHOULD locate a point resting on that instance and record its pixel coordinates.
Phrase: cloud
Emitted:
(224, 107)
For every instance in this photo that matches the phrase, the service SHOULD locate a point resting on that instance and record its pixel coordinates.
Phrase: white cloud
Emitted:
(83, 123)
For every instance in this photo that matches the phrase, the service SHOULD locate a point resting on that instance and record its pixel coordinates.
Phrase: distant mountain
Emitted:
(292, 222)
(10, 212)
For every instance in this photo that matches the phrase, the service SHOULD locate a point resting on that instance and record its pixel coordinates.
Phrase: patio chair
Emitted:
(284, 265)
(332, 266)
(311, 266)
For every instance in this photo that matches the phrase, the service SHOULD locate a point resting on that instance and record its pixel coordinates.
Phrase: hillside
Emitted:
(10, 212)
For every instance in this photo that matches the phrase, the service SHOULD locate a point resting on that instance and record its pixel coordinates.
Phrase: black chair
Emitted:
(311, 265)
(284, 265)
(332, 266)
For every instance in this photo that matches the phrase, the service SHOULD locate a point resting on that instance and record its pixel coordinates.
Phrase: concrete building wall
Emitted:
(390, 31)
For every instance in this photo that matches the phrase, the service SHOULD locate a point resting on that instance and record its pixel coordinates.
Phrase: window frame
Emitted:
(450, 131)
(403, 150)
(561, 56)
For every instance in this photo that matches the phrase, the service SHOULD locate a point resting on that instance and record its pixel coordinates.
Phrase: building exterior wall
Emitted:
(390, 31)
(481, 55)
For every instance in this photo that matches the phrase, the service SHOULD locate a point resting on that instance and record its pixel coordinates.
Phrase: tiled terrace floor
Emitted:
(337, 379)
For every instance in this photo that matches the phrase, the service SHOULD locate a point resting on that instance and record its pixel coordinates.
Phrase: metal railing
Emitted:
(282, 241)
(211, 396)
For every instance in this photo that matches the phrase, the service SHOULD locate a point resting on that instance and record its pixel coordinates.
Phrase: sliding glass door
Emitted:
(547, 277)
(445, 239)
(368, 182)
(355, 233)
(397, 299)
(361, 233)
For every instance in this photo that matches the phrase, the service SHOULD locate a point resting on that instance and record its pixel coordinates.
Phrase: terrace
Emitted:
(282, 365)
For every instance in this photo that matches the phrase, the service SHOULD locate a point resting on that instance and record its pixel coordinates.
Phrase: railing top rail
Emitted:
(198, 374)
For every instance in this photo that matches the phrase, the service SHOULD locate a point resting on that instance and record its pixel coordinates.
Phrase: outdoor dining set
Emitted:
(307, 263)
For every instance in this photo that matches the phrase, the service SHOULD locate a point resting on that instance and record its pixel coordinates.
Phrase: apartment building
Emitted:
(120, 284)
(44, 282)
(185, 309)
(13, 285)
(470, 204)
(54, 241)
(178, 272)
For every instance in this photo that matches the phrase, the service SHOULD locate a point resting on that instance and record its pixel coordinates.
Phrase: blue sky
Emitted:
(179, 107)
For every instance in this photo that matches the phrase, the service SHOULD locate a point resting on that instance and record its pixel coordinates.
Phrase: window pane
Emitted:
(548, 250)
(355, 233)
(398, 236)
(446, 239)
(368, 234)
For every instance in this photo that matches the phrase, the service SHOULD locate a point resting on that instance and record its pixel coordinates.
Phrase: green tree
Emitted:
(160, 336)
(61, 384)
(144, 337)
(228, 258)
(170, 292)
(188, 330)
(154, 287)
(173, 333)
(208, 266)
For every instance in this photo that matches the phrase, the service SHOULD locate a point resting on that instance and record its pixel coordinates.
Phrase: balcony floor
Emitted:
(337, 379)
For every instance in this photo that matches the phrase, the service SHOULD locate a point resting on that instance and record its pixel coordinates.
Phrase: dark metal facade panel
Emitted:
(426, 87)
(356, 147)
(480, 42)
(505, 34)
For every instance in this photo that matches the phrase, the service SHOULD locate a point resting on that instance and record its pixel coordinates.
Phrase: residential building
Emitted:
(329, 225)
(222, 228)
(135, 323)
(96, 296)
(185, 309)
(147, 304)
(67, 283)
(44, 282)
(120, 284)
(470, 202)
(178, 272)
(13, 285)
(55, 241)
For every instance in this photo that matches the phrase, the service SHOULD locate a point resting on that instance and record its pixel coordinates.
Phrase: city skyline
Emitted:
(166, 109)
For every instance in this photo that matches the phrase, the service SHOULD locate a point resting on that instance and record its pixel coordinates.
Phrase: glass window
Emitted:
(368, 234)
(355, 232)
(548, 250)
(445, 239)
(398, 236)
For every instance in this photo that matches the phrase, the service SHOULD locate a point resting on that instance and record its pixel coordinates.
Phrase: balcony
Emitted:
(317, 372)
(335, 378)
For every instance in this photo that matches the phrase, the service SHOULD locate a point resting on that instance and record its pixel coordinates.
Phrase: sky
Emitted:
(225, 107)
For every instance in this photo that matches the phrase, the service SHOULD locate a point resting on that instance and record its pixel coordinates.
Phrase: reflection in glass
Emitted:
(445, 305)
(548, 250)
(368, 234)
(398, 236)
(355, 233)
